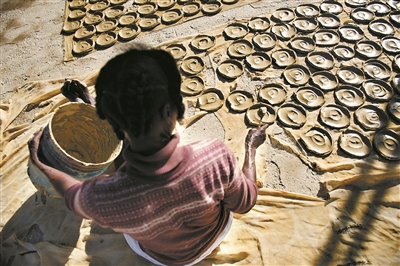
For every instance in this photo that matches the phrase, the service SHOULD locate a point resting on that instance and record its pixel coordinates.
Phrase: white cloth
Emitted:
(134, 245)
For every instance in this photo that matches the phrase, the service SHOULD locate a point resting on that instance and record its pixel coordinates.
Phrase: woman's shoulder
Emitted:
(207, 143)
(210, 147)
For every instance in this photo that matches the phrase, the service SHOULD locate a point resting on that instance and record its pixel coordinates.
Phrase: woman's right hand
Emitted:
(33, 145)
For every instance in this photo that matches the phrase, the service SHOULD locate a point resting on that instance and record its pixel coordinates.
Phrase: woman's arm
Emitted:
(254, 138)
(59, 180)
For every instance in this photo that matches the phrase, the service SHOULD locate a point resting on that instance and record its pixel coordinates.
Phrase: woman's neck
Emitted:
(147, 146)
(159, 133)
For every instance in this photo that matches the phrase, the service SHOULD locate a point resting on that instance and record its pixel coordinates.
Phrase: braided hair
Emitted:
(133, 87)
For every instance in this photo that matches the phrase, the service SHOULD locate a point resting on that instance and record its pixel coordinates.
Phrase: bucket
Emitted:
(75, 141)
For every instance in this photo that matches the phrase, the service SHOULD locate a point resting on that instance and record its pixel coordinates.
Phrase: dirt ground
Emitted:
(32, 48)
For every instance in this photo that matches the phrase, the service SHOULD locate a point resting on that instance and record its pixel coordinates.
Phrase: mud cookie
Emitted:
(149, 22)
(351, 33)
(309, 97)
(264, 41)
(320, 60)
(317, 141)
(129, 32)
(171, 16)
(368, 49)
(394, 108)
(273, 94)
(296, 75)
(192, 85)
(362, 15)
(331, 7)
(302, 44)
(258, 61)
(349, 96)
(381, 27)
(326, 38)
(377, 90)
(128, 18)
(343, 52)
(236, 31)
(371, 117)
(114, 12)
(324, 80)
(376, 69)
(292, 115)
(350, 75)
(307, 10)
(202, 42)
(284, 57)
(239, 100)
(239, 49)
(230, 69)
(283, 15)
(192, 65)
(191, 9)
(387, 143)
(355, 143)
(210, 100)
(211, 7)
(335, 116)
(177, 50)
(260, 114)
(329, 21)
(305, 25)
(284, 31)
(258, 24)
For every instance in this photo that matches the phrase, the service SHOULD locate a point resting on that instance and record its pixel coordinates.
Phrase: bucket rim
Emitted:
(114, 155)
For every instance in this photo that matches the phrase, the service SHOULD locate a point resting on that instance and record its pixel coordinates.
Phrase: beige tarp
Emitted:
(358, 225)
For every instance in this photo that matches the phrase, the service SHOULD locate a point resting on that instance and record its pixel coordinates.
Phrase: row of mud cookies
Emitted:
(99, 24)
(338, 87)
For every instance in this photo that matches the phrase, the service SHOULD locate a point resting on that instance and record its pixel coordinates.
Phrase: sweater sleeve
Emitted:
(72, 200)
(241, 193)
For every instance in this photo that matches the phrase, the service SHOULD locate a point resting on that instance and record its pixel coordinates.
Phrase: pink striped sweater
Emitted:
(174, 203)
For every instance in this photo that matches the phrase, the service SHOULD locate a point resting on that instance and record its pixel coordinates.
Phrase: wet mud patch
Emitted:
(206, 127)
(273, 178)
(298, 178)
(8, 5)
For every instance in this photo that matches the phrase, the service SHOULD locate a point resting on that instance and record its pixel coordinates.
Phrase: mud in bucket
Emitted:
(75, 141)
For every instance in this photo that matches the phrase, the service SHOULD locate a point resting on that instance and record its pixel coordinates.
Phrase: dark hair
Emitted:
(133, 86)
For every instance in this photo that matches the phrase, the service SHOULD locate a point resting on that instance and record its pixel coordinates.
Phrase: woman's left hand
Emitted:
(256, 137)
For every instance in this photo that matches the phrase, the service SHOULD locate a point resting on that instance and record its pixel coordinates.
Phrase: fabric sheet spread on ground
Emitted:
(355, 220)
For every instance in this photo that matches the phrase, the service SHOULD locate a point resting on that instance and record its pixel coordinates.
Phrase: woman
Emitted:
(172, 202)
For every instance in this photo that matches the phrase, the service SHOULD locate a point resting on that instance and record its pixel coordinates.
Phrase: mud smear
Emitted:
(16, 25)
